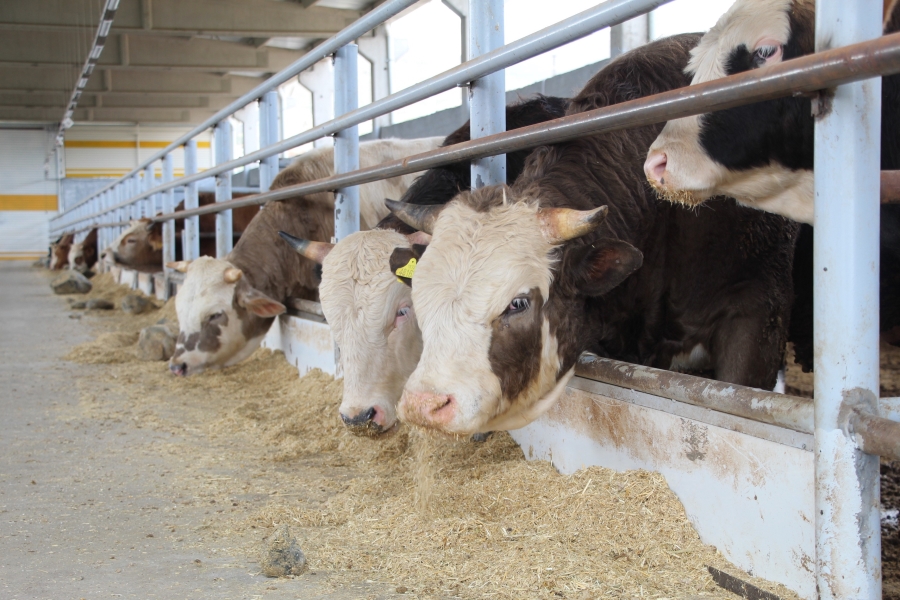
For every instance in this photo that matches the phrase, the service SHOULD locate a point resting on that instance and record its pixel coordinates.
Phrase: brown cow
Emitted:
(59, 252)
(83, 254)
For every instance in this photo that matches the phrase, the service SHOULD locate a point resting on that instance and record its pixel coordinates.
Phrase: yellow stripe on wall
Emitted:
(124, 144)
(27, 202)
(32, 256)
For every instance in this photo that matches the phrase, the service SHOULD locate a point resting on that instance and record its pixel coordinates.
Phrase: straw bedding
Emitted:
(434, 518)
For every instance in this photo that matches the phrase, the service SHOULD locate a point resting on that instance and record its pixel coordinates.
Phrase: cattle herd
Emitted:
(684, 245)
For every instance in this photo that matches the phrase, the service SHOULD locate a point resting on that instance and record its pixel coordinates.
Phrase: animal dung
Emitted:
(136, 304)
(282, 556)
(156, 343)
(71, 283)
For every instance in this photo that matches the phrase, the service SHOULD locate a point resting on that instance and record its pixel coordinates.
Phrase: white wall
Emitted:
(27, 195)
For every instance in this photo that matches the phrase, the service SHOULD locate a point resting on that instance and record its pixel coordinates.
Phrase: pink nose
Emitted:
(655, 166)
(427, 410)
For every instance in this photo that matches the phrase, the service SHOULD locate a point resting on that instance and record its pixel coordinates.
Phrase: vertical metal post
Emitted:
(487, 96)
(191, 246)
(135, 190)
(846, 262)
(224, 148)
(168, 205)
(149, 207)
(346, 142)
(629, 35)
(268, 135)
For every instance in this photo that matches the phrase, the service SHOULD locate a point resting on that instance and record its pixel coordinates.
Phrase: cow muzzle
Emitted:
(424, 409)
(179, 369)
(370, 422)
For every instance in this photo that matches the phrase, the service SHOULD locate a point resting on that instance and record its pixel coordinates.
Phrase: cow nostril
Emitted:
(655, 166)
(178, 368)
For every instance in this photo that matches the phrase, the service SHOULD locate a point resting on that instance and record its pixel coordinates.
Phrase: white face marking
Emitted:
(690, 175)
(76, 252)
(205, 295)
(475, 265)
(361, 300)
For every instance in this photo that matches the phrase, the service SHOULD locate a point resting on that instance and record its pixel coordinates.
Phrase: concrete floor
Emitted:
(80, 514)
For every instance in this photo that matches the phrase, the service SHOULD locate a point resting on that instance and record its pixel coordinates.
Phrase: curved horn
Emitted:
(181, 266)
(418, 216)
(559, 225)
(316, 251)
(232, 275)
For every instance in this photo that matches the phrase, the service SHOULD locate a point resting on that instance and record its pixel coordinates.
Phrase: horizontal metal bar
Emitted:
(799, 76)
(791, 412)
(578, 26)
(358, 28)
(876, 435)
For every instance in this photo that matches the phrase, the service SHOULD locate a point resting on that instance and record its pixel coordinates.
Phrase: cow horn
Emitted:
(316, 251)
(232, 275)
(562, 224)
(181, 266)
(417, 216)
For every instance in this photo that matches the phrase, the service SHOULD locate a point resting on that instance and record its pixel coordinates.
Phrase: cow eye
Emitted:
(766, 53)
(215, 317)
(518, 304)
(403, 312)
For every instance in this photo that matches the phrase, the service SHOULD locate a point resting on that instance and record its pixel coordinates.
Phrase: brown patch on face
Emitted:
(252, 326)
(189, 342)
(515, 352)
(210, 332)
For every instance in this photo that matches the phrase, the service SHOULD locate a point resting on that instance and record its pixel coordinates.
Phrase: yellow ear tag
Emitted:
(407, 270)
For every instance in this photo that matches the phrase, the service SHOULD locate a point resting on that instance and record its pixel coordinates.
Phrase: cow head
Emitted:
(222, 318)
(372, 320)
(498, 296)
(83, 255)
(140, 244)
(760, 154)
(59, 252)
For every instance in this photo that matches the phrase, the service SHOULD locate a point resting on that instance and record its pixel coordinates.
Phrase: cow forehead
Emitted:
(745, 23)
(357, 285)
(477, 261)
(204, 292)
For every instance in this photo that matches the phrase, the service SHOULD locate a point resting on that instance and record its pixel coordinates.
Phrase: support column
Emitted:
(375, 48)
(320, 81)
(487, 96)
(346, 142)
(223, 142)
(846, 263)
(268, 135)
(148, 206)
(629, 35)
(168, 205)
(191, 246)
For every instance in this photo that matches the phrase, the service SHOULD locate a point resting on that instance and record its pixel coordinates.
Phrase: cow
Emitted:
(226, 306)
(580, 255)
(59, 252)
(762, 154)
(140, 245)
(83, 254)
(380, 345)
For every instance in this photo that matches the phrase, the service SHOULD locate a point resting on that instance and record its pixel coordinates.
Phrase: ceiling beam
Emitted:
(54, 99)
(184, 116)
(242, 18)
(42, 49)
(125, 82)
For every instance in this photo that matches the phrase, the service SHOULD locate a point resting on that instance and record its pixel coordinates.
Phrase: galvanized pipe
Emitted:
(191, 246)
(224, 234)
(604, 15)
(356, 29)
(846, 259)
(346, 142)
(487, 95)
(798, 76)
(168, 205)
(268, 135)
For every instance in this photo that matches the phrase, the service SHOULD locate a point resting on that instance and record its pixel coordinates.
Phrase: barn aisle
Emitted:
(88, 507)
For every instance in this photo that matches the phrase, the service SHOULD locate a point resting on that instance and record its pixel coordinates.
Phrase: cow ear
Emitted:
(404, 260)
(258, 303)
(607, 263)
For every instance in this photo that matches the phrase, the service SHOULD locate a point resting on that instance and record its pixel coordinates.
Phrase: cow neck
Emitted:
(269, 264)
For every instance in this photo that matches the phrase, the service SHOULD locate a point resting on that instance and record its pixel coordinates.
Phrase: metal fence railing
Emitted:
(845, 206)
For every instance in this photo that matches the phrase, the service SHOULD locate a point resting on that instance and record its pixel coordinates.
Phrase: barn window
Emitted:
(296, 113)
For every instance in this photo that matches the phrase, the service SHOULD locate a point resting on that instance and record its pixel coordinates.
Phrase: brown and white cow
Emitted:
(226, 306)
(380, 344)
(83, 254)
(59, 252)
(579, 255)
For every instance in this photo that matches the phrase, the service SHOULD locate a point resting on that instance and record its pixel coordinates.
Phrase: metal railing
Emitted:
(845, 417)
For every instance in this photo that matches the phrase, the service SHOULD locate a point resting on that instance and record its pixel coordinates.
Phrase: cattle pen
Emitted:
(784, 486)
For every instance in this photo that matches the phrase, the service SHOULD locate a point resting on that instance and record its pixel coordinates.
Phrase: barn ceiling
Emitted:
(171, 61)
